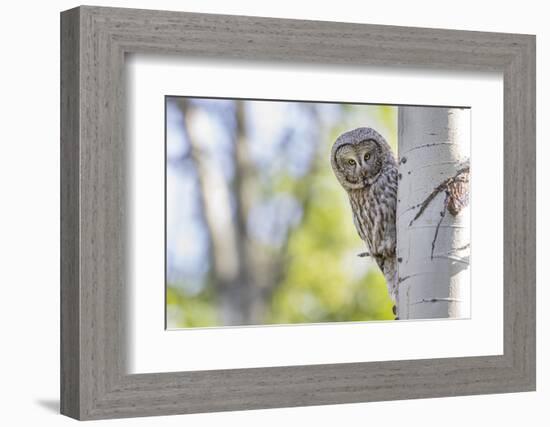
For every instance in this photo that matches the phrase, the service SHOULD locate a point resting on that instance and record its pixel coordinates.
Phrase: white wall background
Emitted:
(29, 214)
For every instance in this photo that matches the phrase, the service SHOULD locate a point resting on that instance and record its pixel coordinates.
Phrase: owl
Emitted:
(366, 168)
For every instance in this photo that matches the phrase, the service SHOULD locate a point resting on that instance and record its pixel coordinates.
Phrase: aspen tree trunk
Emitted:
(433, 229)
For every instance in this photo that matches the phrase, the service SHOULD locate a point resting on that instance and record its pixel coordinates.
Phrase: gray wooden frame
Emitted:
(94, 41)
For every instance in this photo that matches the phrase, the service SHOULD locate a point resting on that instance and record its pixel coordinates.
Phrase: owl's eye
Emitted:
(367, 157)
(351, 162)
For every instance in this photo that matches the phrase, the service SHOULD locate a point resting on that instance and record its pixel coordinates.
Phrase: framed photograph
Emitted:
(261, 213)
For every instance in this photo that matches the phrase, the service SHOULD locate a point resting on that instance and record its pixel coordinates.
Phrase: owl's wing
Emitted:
(364, 233)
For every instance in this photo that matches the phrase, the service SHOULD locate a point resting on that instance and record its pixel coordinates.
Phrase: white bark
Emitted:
(433, 244)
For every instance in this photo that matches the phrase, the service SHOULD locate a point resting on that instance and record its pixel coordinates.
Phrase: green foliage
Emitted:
(318, 286)
(188, 311)
(323, 279)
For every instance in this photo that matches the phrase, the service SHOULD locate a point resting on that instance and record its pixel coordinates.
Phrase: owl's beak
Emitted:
(365, 177)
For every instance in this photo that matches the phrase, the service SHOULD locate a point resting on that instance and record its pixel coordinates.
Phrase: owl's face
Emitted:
(358, 157)
(359, 163)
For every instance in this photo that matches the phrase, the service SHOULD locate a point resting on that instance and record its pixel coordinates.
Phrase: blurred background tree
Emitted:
(258, 229)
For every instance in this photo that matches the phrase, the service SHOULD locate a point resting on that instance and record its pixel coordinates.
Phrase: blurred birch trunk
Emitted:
(242, 276)
(433, 230)
(225, 206)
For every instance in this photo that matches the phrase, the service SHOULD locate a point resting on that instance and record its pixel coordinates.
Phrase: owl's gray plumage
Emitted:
(366, 168)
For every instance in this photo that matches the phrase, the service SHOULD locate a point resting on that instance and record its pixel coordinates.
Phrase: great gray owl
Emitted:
(366, 168)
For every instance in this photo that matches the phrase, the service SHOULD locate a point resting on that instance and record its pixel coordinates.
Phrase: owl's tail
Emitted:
(390, 273)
